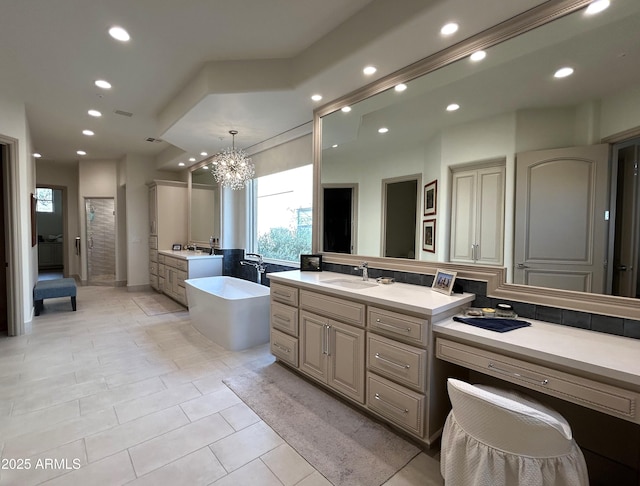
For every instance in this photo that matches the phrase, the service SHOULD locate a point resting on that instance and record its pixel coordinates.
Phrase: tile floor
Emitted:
(108, 396)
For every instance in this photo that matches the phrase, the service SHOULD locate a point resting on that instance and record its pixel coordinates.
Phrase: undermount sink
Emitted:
(350, 284)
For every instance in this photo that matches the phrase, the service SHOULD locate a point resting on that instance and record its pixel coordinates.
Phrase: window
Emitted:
(283, 217)
(45, 200)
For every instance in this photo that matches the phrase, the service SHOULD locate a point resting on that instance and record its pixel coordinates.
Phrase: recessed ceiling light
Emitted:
(204, 167)
(316, 97)
(204, 154)
(88, 133)
(453, 107)
(118, 33)
(400, 87)
(180, 164)
(597, 6)
(101, 83)
(478, 56)
(450, 28)
(37, 155)
(192, 159)
(346, 109)
(335, 145)
(81, 152)
(369, 70)
(383, 130)
(563, 72)
(95, 113)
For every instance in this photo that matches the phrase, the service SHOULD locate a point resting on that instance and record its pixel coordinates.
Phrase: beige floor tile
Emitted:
(166, 448)
(57, 396)
(122, 437)
(245, 445)
(289, 466)
(46, 465)
(38, 421)
(39, 387)
(210, 383)
(315, 479)
(421, 470)
(240, 416)
(198, 468)
(62, 433)
(139, 374)
(186, 375)
(111, 471)
(256, 473)
(155, 402)
(208, 404)
(113, 396)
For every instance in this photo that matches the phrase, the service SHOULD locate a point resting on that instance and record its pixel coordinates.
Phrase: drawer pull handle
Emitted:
(518, 375)
(390, 405)
(282, 294)
(286, 350)
(392, 326)
(399, 365)
(282, 318)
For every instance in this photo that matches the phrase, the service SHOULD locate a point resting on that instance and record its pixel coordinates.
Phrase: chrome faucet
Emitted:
(364, 266)
(257, 264)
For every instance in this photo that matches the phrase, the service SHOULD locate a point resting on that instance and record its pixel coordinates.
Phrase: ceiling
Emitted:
(195, 69)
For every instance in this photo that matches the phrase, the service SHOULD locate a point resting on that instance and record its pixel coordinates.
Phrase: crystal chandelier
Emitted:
(232, 168)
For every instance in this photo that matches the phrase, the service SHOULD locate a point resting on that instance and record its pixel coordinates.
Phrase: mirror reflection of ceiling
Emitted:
(515, 76)
(604, 50)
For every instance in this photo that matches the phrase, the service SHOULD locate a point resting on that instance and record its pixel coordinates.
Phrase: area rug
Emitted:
(343, 444)
(154, 305)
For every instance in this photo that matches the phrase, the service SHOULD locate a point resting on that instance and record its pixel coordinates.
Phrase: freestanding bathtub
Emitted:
(232, 312)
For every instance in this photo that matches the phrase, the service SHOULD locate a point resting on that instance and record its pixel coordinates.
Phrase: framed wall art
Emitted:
(430, 198)
(443, 281)
(429, 235)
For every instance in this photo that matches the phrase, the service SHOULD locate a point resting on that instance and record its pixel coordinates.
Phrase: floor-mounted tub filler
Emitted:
(232, 312)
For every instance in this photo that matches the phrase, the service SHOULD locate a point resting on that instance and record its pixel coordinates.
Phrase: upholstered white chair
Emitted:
(500, 437)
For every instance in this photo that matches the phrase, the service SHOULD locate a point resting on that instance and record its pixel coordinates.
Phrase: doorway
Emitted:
(100, 217)
(624, 250)
(400, 210)
(4, 315)
(339, 218)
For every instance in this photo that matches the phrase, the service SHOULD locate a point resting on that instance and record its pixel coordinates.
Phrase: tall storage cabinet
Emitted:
(167, 222)
(477, 215)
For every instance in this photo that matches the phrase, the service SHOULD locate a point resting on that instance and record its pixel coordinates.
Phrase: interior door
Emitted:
(339, 218)
(560, 227)
(3, 262)
(400, 209)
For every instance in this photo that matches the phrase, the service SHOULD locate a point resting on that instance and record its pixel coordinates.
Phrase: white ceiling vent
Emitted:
(154, 140)
(123, 113)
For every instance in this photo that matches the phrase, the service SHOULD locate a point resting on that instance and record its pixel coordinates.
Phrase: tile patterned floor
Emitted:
(108, 396)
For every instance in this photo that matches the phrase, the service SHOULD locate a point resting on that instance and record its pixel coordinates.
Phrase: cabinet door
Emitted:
(153, 211)
(490, 216)
(346, 360)
(313, 345)
(463, 216)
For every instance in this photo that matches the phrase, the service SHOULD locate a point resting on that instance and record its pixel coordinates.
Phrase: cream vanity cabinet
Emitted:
(167, 223)
(374, 350)
(174, 267)
(477, 214)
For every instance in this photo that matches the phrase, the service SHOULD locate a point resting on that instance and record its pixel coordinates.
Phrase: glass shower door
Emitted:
(101, 240)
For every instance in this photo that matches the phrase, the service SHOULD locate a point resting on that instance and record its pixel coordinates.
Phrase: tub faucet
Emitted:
(257, 264)
(364, 266)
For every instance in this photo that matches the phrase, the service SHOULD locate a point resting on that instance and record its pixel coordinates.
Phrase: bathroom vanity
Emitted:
(370, 343)
(174, 267)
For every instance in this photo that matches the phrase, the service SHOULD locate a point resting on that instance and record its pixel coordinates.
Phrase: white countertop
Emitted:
(188, 255)
(606, 355)
(411, 298)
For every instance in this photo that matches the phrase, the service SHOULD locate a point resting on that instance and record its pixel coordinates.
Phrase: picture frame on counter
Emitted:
(311, 263)
(176, 247)
(443, 281)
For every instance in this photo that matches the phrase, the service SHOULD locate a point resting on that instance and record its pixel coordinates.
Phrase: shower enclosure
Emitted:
(101, 241)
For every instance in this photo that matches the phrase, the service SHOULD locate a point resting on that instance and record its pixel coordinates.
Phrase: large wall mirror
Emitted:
(532, 174)
(204, 206)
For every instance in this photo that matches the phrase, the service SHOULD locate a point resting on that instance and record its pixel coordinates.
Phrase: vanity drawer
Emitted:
(181, 264)
(284, 318)
(153, 268)
(285, 294)
(400, 362)
(398, 404)
(399, 326)
(171, 262)
(161, 258)
(153, 255)
(343, 310)
(577, 389)
(284, 347)
(153, 242)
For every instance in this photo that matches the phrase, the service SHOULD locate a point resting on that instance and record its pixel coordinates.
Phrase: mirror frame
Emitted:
(497, 287)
